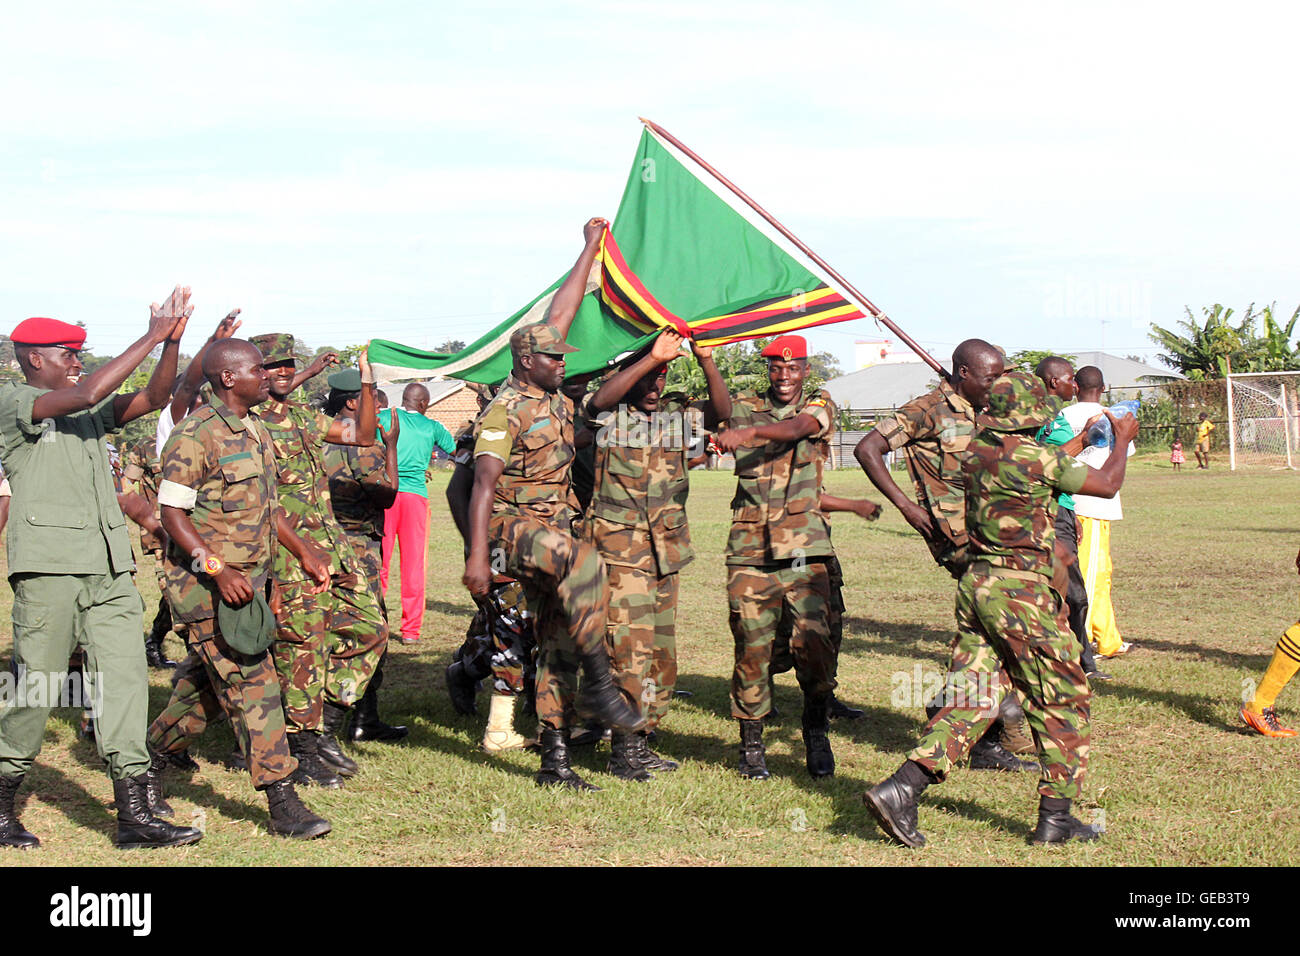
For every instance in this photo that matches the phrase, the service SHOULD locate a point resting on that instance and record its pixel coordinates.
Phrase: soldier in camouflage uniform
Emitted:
(501, 640)
(777, 553)
(637, 521)
(933, 432)
(519, 519)
(782, 659)
(1007, 615)
(142, 469)
(363, 482)
(331, 632)
(219, 504)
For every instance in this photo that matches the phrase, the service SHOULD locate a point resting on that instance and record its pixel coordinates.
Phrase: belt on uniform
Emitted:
(997, 571)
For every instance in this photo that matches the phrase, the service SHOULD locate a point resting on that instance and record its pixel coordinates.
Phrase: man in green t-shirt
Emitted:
(406, 522)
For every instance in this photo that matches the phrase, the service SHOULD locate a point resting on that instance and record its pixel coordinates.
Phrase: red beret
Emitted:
(40, 331)
(787, 348)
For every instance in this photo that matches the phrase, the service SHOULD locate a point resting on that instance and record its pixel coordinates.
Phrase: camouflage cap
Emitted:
(1019, 401)
(539, 337)
(275, 347)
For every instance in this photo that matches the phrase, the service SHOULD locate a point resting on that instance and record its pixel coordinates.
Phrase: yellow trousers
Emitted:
(1094, 563)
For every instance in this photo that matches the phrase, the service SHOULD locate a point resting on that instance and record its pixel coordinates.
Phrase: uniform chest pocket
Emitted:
(242, 477)
(540, 448)
(954, 441)
(626, 462)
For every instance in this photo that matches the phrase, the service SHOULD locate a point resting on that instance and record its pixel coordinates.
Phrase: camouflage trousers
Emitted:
(370, 557)
(1008, 635)
(782, 659)
(564, 579)
(326, 647)
(757, 597)
(214, 680)
(163, 619)
(501, 641)
(640, 636)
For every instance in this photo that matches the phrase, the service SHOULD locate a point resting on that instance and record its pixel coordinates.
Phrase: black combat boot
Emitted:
(555, 762)
(182, 761)
(589, 735)
(290, 816)
(989, 754)
(1057, 825)
(649, 759)
(137, 826)
(753, 758)
(893, 803)
(842, 711)
(366, 724)
(624, 761)
(11, 831)
(600, 699)
(153, 777)
(153, 642)
(312, 771)
(327, 741)
(461, 687)
(816, 743)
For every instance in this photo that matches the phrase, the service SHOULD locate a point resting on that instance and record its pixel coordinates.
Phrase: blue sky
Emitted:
(1042, 175)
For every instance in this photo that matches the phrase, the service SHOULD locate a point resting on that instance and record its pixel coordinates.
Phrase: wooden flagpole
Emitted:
(848, 286)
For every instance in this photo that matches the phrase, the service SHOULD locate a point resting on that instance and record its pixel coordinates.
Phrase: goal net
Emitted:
(1264, 420)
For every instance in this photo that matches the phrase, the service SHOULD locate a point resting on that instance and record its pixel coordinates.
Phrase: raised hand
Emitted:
(390, 433)
(594, 229)
(667, 346)
(228, 326)
(167, 321)
(701, 352)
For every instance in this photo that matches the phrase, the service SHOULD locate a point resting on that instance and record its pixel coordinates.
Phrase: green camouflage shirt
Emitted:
(142, 467)
(637, 516)
(776, 512)
(354, 474)
(934, 431)
(298, 438)
(1011, 486)
(230, 469)
(531, 432)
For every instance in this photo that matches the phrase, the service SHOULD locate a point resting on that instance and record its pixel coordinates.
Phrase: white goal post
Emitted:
(1264, 419)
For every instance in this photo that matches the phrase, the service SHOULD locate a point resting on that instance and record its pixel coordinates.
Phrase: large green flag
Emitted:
(696, 249)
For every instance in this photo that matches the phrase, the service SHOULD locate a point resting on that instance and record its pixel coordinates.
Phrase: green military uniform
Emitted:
(933, 432)
(353, 472)
(70, 566)
(500, 641)
(1007, 609)
(142, 466)
(327, 645)
(782, 659)
(637, 520)
(777, 554)
(564, 580)
(220, 469)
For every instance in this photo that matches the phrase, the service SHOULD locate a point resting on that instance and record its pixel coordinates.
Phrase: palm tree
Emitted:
(1213, 349)
(1276, 354)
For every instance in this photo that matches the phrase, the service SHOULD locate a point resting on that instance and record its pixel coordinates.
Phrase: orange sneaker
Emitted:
(1266, 723)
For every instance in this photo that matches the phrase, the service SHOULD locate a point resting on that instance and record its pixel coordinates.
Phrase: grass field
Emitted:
(1205, 580)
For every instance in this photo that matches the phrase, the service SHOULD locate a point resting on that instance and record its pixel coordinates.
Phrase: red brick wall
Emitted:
(454, 411)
